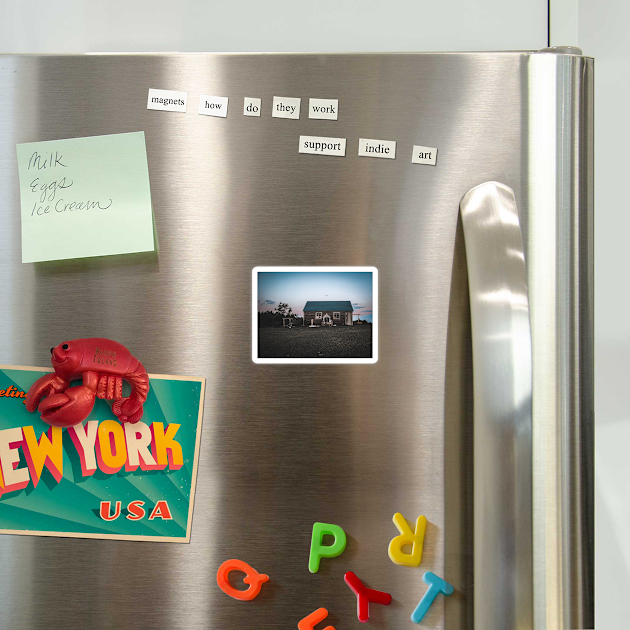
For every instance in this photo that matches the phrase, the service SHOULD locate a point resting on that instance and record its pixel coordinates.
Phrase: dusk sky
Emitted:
(298, 287)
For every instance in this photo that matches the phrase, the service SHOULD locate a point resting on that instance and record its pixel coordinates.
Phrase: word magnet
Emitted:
(407, 537)
(323, 108)
(322, 146)
(285, 107)
(252, 577)
(377, 148)
(319, 550)
(424, 155)
(213, 105)
(365, 596)
(251, 106)
(167, 100)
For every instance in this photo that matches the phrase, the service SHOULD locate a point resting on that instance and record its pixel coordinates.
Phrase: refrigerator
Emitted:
(473, 404)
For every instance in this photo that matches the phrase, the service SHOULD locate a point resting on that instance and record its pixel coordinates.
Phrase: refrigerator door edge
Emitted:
(559, 255)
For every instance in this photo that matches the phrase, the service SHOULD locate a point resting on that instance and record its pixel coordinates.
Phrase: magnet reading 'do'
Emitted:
(102, 364)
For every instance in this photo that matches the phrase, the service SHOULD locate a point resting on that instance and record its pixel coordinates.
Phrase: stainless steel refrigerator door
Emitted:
(285, 446)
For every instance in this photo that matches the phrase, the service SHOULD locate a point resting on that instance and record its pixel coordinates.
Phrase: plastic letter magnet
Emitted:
(252, 577)
(319, 551)
(308, 623)
(436, 586)
(365, 596)
(407, 537)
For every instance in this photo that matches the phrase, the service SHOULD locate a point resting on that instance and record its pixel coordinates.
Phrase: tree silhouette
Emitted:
(273, 319)
(284, 310)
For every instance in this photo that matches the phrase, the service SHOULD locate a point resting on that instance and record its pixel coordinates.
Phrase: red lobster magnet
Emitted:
(102, 364)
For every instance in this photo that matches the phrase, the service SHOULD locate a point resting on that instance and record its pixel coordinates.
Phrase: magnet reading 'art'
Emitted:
(102, 364)
(252, 577)
(407, 537)
(319, 550)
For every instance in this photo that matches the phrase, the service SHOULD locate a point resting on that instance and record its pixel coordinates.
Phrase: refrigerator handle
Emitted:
(502, 375)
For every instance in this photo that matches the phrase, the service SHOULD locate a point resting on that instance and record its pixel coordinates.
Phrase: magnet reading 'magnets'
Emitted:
(102, 364)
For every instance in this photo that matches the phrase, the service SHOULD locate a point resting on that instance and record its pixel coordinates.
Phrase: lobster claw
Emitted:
(127, 410)
(43, 386)
(68, 408)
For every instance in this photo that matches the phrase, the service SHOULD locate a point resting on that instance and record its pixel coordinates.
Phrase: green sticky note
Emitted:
(85, 197)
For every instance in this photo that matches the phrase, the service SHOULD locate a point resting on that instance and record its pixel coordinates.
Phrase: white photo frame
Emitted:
(323, 360)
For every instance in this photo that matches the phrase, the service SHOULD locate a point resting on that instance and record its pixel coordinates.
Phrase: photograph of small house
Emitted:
(328, 313)
(314, 314)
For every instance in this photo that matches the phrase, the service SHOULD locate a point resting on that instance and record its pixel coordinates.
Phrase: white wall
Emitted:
(603, 27)
(282, 25)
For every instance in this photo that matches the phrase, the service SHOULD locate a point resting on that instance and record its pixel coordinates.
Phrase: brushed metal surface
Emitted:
(502, 372)
(560, 274)
(282, 446)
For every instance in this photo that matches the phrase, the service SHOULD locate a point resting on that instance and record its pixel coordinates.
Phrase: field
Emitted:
(337, 342)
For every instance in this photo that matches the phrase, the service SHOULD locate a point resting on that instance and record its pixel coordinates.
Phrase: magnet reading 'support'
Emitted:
(102, 364)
